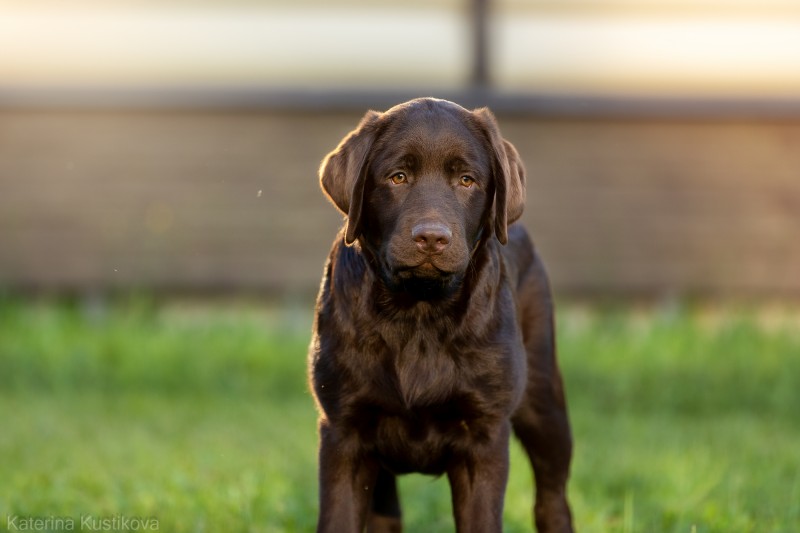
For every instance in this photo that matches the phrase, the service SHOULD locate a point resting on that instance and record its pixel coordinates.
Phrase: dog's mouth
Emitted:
(424, 281)
(427, 268)
(424, 269)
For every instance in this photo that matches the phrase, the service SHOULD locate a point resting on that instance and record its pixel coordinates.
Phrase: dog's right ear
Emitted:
(342, 173)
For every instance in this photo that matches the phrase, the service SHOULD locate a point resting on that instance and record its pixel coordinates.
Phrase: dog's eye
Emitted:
(466, 181)
(399, 178)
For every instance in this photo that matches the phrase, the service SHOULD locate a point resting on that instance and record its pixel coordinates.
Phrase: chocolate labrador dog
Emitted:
(433, 336)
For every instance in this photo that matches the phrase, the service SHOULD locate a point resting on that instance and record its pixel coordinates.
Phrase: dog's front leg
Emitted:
(346, 482)
(478, 485)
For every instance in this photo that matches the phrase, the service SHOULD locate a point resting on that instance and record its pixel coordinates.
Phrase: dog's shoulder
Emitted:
(344, 286)
(349, 265)
(519, 254)
(526, 271)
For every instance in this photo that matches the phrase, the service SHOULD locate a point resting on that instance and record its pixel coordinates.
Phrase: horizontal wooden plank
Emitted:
(193, 200)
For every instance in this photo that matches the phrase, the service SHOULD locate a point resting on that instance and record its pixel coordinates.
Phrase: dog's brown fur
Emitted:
(433, 336)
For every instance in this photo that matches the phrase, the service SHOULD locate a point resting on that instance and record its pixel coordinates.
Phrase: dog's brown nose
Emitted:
(431, 237)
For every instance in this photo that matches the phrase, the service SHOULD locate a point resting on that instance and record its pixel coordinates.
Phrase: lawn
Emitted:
(196, 415)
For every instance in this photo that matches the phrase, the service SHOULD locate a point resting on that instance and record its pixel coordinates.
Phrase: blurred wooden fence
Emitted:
(229, 200)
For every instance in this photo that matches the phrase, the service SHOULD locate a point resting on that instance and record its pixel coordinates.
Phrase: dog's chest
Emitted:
(431, 412)
(415, 368)
(424, 371)
(415, 396)
(432, 404)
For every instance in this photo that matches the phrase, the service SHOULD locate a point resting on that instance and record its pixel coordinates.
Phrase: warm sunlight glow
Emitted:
(735, 56)
(667, 47)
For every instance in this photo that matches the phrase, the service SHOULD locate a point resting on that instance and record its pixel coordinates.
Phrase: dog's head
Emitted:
(422, 185)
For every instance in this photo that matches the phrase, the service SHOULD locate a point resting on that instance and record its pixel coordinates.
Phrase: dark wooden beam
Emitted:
(480, 78)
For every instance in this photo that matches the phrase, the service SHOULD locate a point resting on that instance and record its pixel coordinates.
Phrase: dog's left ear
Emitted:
(509, 176)
(343, 172)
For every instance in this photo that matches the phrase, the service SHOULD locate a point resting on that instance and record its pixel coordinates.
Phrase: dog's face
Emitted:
(423, 184)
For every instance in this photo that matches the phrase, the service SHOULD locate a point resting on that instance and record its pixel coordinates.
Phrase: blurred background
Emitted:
(174, 145)
(162, 236)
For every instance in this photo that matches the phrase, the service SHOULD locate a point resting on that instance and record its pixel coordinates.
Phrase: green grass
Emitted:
(198, 415)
